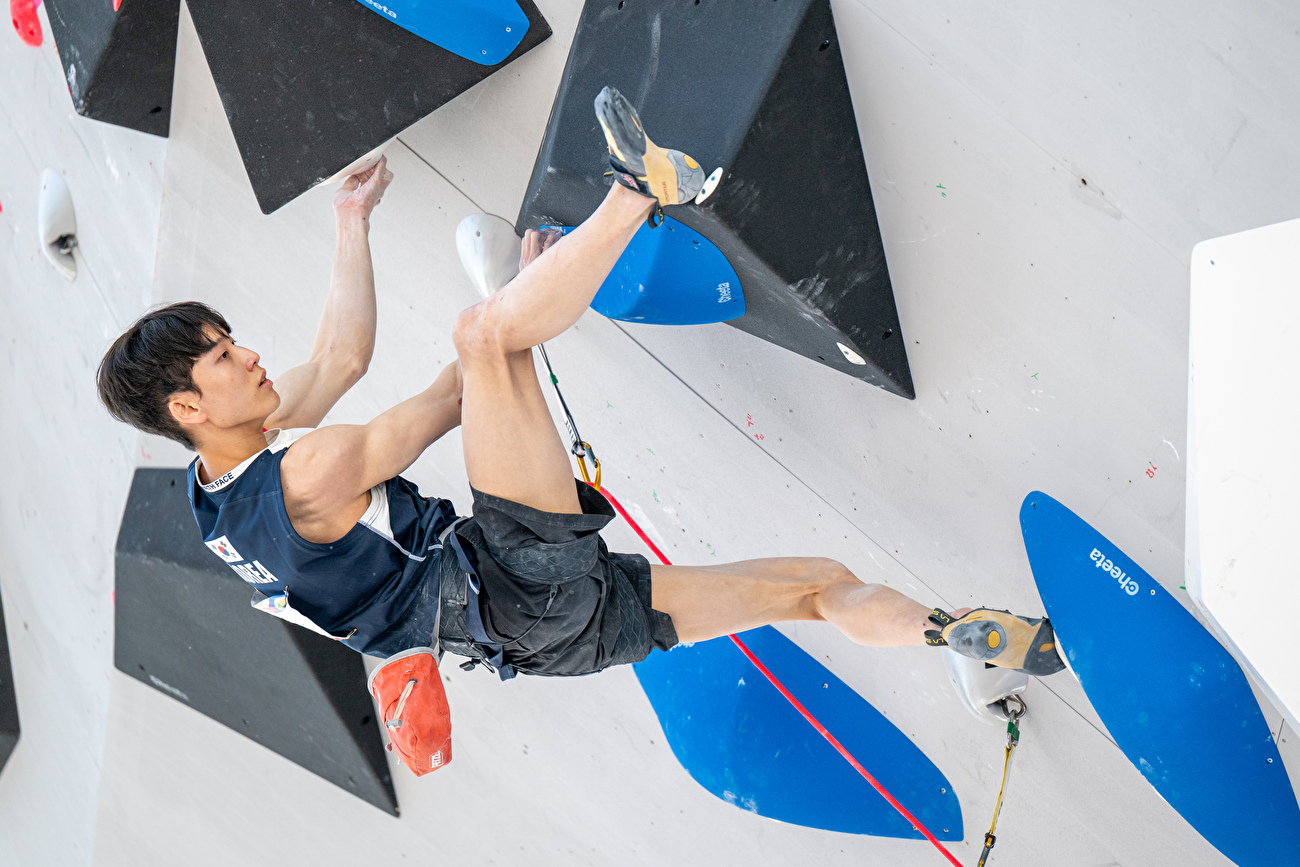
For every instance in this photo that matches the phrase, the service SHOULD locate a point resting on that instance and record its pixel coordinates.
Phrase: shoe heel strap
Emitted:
(939, 618)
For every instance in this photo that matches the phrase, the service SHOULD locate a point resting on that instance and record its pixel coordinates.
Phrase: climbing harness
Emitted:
(480, 649)
(581, 448)
(1013, 740)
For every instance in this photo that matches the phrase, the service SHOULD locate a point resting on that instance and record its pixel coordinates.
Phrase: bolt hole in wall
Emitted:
(155, 109)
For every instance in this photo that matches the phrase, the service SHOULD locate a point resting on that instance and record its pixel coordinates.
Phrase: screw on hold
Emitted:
(1153, 593)
(943, 792)
(824, 685)
(507, 29)
(1270, 761)
(485, 51)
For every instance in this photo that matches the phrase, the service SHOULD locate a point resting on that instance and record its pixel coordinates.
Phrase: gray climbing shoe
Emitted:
(999, 638)
(669, 176)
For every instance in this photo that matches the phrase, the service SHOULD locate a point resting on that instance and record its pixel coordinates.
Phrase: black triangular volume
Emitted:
(183, 626)
(119, 64)
(310, 87)
(9, 728)
(758, 88)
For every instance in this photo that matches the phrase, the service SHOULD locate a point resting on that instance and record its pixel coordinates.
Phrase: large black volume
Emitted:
(9, 728)
(313, 85)
(184, 626)
(119, 65)
(756, 87)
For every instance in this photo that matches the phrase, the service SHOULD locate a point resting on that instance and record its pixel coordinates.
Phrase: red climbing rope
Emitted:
(812, 720)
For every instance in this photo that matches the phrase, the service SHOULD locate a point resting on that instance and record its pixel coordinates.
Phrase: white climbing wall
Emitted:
(1041, 172)
(66, 465)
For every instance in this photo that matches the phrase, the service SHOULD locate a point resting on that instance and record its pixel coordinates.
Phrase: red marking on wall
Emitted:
(1151, 471)
(758, 437)
(117, 4)
(749, 420)
(23, 15)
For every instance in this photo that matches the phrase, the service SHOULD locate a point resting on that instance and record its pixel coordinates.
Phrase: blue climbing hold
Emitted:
(1176, 703)
(740, 739)
(484, 31)
(670, 275)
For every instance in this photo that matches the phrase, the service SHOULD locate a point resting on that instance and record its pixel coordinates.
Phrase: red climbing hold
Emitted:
(23, 14)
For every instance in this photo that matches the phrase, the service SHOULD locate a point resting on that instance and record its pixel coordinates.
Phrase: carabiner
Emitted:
(581, 450)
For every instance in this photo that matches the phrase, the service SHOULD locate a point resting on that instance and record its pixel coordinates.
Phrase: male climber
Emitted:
(320, 518)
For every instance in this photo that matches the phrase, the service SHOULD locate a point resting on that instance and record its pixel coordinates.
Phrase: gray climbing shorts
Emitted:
(599, 603)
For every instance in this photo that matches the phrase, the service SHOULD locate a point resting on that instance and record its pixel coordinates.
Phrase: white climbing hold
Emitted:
(56, 223)
(710, 184)
(489, 251)
(852, 356)
(980, 688)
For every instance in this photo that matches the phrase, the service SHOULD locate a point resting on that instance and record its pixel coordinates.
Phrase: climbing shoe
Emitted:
(669, 176)
(999, 638)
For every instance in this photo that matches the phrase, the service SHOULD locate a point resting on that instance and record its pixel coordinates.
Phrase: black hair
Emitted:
(154, 360)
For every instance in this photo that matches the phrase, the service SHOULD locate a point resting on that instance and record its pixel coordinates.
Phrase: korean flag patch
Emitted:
(223, 549)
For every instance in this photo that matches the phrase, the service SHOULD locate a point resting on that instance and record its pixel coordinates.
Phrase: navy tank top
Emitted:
(356, 588)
